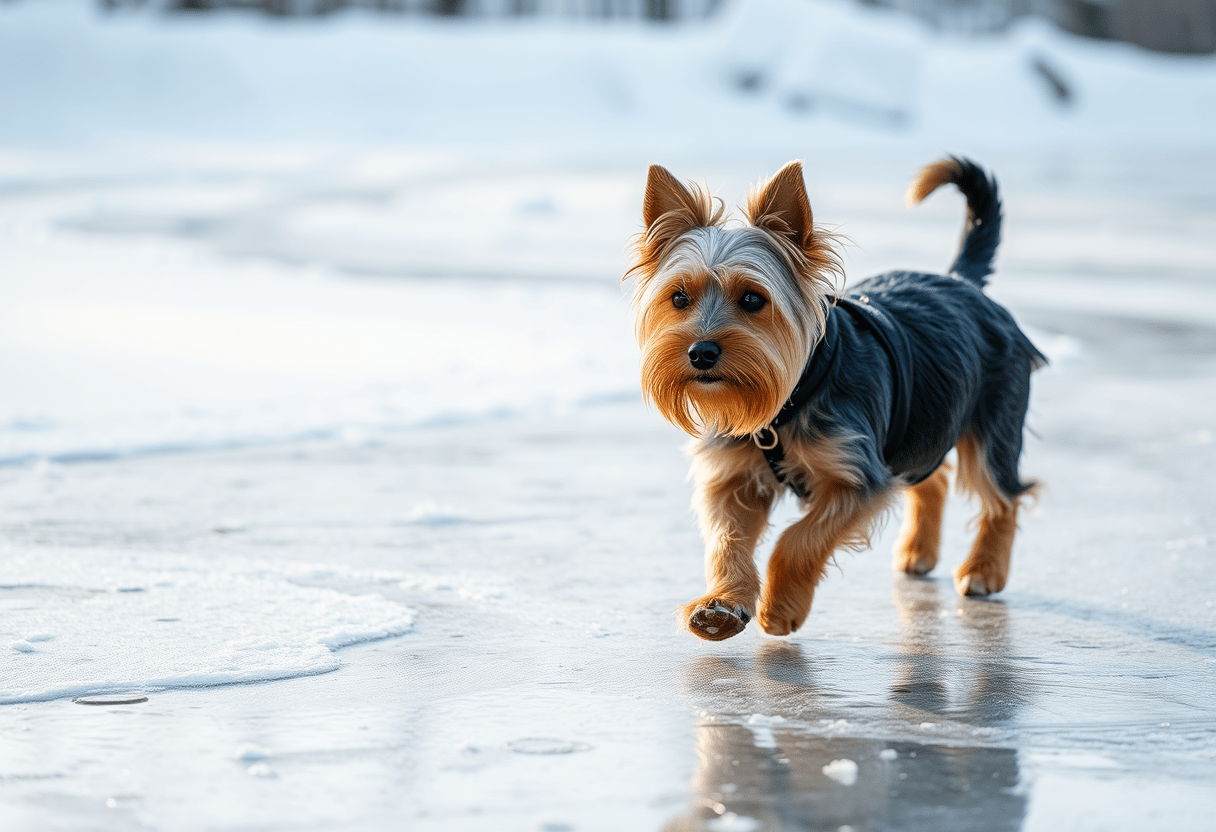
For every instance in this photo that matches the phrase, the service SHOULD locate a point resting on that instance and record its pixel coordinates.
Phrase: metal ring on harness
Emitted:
(757, 440)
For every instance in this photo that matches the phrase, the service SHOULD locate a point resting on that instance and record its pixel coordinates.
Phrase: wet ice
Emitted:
(270, 412)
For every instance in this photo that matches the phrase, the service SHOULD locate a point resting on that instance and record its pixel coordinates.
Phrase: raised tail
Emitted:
(982, 230)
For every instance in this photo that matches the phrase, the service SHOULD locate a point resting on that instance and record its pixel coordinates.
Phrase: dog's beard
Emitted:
(738, 396)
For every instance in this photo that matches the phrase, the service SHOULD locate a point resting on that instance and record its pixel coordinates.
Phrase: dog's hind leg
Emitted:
(839, 516)
(987, 567)
(921, 534)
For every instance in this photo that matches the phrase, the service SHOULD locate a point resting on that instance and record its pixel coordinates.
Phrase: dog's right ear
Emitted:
(664, 194)
(669, 210)
(679, 208)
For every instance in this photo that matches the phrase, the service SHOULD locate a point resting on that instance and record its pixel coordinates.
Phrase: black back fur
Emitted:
(970, 365)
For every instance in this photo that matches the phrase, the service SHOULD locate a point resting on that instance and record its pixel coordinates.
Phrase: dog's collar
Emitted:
(817, 369)
(823, 358)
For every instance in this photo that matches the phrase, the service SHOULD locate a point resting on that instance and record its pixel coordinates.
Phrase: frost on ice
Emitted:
(762, 729)
(109, 622)
(842, 771)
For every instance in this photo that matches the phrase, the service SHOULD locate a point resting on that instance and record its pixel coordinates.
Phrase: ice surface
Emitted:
(312, 334)
(144, 622)
(250, 752)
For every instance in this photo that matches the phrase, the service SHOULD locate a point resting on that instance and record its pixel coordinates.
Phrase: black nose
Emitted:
(704, 354)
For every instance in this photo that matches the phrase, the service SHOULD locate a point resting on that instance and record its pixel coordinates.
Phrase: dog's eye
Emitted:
(680, 299)
(752, 302)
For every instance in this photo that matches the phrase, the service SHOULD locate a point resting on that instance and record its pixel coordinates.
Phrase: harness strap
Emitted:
(890, 337)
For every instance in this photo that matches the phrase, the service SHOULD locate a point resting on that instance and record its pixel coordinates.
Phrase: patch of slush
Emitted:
(96, 622)
(842, 771)
(762, 729)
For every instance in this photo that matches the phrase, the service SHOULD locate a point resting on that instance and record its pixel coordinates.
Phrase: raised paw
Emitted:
(714, 621)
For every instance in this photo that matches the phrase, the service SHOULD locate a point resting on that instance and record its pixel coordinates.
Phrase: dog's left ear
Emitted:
(781, 206)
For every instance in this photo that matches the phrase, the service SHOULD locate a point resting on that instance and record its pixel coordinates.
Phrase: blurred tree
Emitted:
(1180, 26)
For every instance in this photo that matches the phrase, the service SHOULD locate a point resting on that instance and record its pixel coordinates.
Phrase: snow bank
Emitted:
(816, 71)
(183, 200)
(84, 623)
(109, 347)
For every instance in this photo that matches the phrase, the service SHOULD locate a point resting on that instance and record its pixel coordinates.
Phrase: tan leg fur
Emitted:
(987, 567)
(733, 505)
(921, 534)
(838, 516)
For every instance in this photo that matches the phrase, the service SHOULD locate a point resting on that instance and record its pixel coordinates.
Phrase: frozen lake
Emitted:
(328, 499)
(532, 559)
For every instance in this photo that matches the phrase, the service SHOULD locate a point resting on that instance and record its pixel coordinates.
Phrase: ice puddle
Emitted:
(95, 622)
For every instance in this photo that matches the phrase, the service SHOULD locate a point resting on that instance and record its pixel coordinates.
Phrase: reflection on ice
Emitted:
(989, 691)
(806, 768)
(798, 784)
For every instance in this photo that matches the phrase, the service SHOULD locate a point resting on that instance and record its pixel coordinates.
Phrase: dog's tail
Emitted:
(982, 230)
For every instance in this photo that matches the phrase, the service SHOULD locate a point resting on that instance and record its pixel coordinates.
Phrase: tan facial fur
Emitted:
(689, 247)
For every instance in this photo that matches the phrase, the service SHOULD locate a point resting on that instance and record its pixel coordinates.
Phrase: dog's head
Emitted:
(727, 315)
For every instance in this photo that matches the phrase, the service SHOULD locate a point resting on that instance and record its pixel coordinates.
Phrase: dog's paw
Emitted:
(916, 548)
(784, 606)
(779, 621)
(978, 581)
(780, 626)
(914, 562)
(712, 620)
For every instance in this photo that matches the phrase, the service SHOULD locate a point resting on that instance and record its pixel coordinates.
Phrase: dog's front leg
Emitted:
(839, 515)
(733, 514)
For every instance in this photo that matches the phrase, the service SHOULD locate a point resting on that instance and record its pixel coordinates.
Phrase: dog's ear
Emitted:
(670, 210)
(674, 207)
(664, 195)
(780, 206)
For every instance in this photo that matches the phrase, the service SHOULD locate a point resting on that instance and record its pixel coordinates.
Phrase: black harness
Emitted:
(879, 324)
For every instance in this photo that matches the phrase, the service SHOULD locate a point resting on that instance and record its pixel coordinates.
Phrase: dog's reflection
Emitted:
(767, 774)
(988, 689)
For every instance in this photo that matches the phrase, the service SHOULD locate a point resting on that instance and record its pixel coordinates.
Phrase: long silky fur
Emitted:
(968, 368)
(691, 247)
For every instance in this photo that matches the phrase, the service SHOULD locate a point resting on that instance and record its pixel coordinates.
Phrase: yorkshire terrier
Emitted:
(846, 400)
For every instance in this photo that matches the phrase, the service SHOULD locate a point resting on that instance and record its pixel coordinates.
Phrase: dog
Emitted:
(846, 400)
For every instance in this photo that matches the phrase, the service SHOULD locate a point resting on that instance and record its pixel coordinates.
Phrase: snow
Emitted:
(177, 245)
(117, 622)
(843, 772)
(762, 729)
(823, 70)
